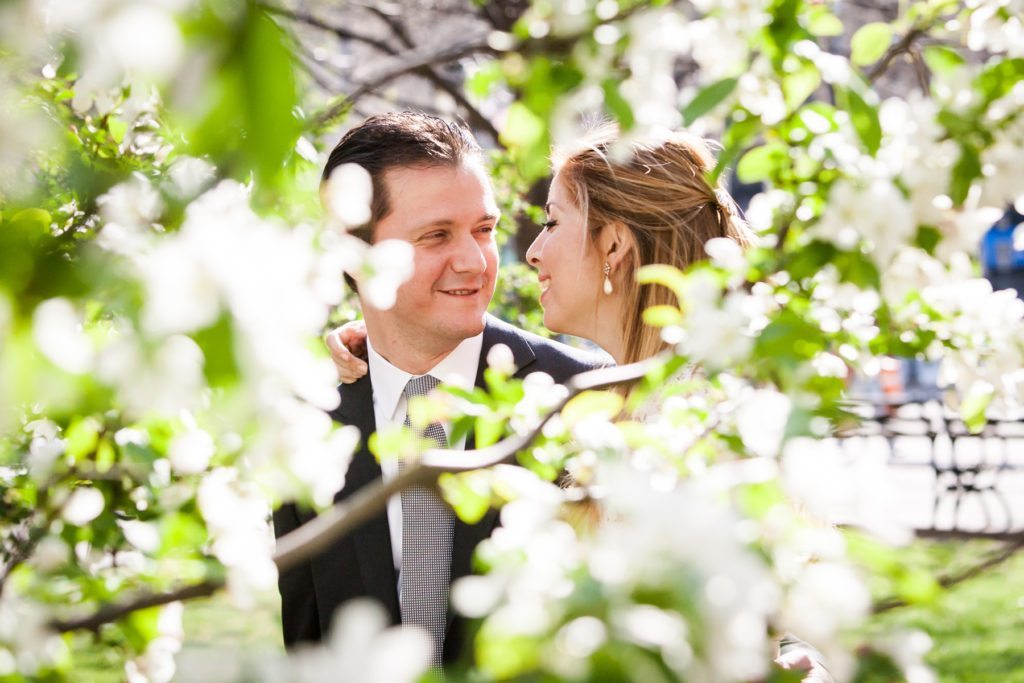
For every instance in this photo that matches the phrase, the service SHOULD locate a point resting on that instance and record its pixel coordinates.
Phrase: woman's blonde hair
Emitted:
(659, 190)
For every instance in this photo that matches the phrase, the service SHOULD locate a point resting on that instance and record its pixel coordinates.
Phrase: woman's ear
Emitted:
(615, 243)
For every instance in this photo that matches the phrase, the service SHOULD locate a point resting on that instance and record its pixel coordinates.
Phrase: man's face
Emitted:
(448, 214)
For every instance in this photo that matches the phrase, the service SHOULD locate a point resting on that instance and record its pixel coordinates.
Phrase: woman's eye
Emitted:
(547, 225)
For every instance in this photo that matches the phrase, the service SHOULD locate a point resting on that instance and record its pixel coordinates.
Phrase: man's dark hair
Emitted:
(405, 139)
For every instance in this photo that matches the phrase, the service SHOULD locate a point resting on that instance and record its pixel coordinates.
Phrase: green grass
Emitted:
(977, 627)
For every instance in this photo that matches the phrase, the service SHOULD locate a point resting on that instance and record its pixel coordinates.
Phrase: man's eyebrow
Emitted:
(447, 222)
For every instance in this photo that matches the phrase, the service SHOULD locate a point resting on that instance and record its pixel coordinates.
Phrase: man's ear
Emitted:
(615, 243)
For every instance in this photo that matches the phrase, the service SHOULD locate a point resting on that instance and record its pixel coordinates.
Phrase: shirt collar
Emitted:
(458, 368)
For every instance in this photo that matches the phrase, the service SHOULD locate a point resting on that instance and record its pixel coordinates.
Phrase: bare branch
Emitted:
(476, 118)
(412, 64)
(341, 32)
(902, 47)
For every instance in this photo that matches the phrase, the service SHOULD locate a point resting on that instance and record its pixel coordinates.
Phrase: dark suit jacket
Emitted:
(361, 564)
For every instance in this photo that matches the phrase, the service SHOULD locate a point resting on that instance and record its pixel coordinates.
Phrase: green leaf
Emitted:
(181, 534)
(82, 437)
(141, 626)
(469, 494)
(664, 275)
(734, 140)
(662, 316)
(941, 59)
(487, 430)
(218, 344)
(822, 22)
(605, 404)
(762, 163)
(917, 586)
(271, 93)
(972, 410)
(36, 220)
(928, 237)
(484, 80)
(522, 128)
(708, 98)
(617, 104)
(864, 118)
(967, 168)
(997, 80)
(392, 442)
(870, 42)
(106, 455)
(800, 84)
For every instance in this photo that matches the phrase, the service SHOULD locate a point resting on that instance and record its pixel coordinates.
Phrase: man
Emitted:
(431, 190)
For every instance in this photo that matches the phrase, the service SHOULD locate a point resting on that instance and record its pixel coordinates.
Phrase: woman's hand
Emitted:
(347, 345)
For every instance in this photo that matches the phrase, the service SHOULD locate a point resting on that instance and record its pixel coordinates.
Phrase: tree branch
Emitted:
(414, 63)
(316, 535)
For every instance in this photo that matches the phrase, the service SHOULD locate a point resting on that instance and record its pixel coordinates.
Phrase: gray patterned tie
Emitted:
(427, 529)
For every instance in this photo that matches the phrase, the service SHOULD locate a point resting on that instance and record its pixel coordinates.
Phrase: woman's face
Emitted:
(567, 266)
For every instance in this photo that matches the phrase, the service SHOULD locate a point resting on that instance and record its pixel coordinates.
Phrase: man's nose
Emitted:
(469, 256)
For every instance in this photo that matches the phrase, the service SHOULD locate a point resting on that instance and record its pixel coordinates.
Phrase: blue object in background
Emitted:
(1004, 264)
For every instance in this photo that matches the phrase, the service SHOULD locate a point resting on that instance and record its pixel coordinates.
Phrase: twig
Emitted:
(112, 613)
(903, 46)
(316, 535)
(1012, 547)
(920, 70)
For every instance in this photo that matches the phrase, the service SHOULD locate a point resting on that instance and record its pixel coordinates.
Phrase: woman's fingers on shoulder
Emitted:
(337, 347)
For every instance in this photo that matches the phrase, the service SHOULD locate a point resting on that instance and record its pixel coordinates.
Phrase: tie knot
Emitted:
(421, 386)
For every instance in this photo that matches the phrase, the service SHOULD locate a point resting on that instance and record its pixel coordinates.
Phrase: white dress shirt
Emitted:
(458, 368)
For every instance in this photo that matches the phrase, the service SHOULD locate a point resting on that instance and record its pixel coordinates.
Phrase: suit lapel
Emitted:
(468, 536)
(373, 538)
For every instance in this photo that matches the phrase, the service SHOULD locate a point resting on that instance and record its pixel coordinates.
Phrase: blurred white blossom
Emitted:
(386, 265)
(57, 331)
(82, 506)
(348, 195)
(190, 451)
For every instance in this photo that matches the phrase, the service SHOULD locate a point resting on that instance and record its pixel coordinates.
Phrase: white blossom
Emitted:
(761, 419)
(189, 176)
(82, 506)
(877, 217)
(988, 30)
(45, 448)
(236, 517)
(501, 360)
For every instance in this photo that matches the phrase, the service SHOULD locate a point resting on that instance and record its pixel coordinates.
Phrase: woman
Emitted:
(614, 206)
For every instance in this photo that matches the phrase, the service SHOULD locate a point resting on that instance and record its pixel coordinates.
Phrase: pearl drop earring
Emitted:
(607, 280)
